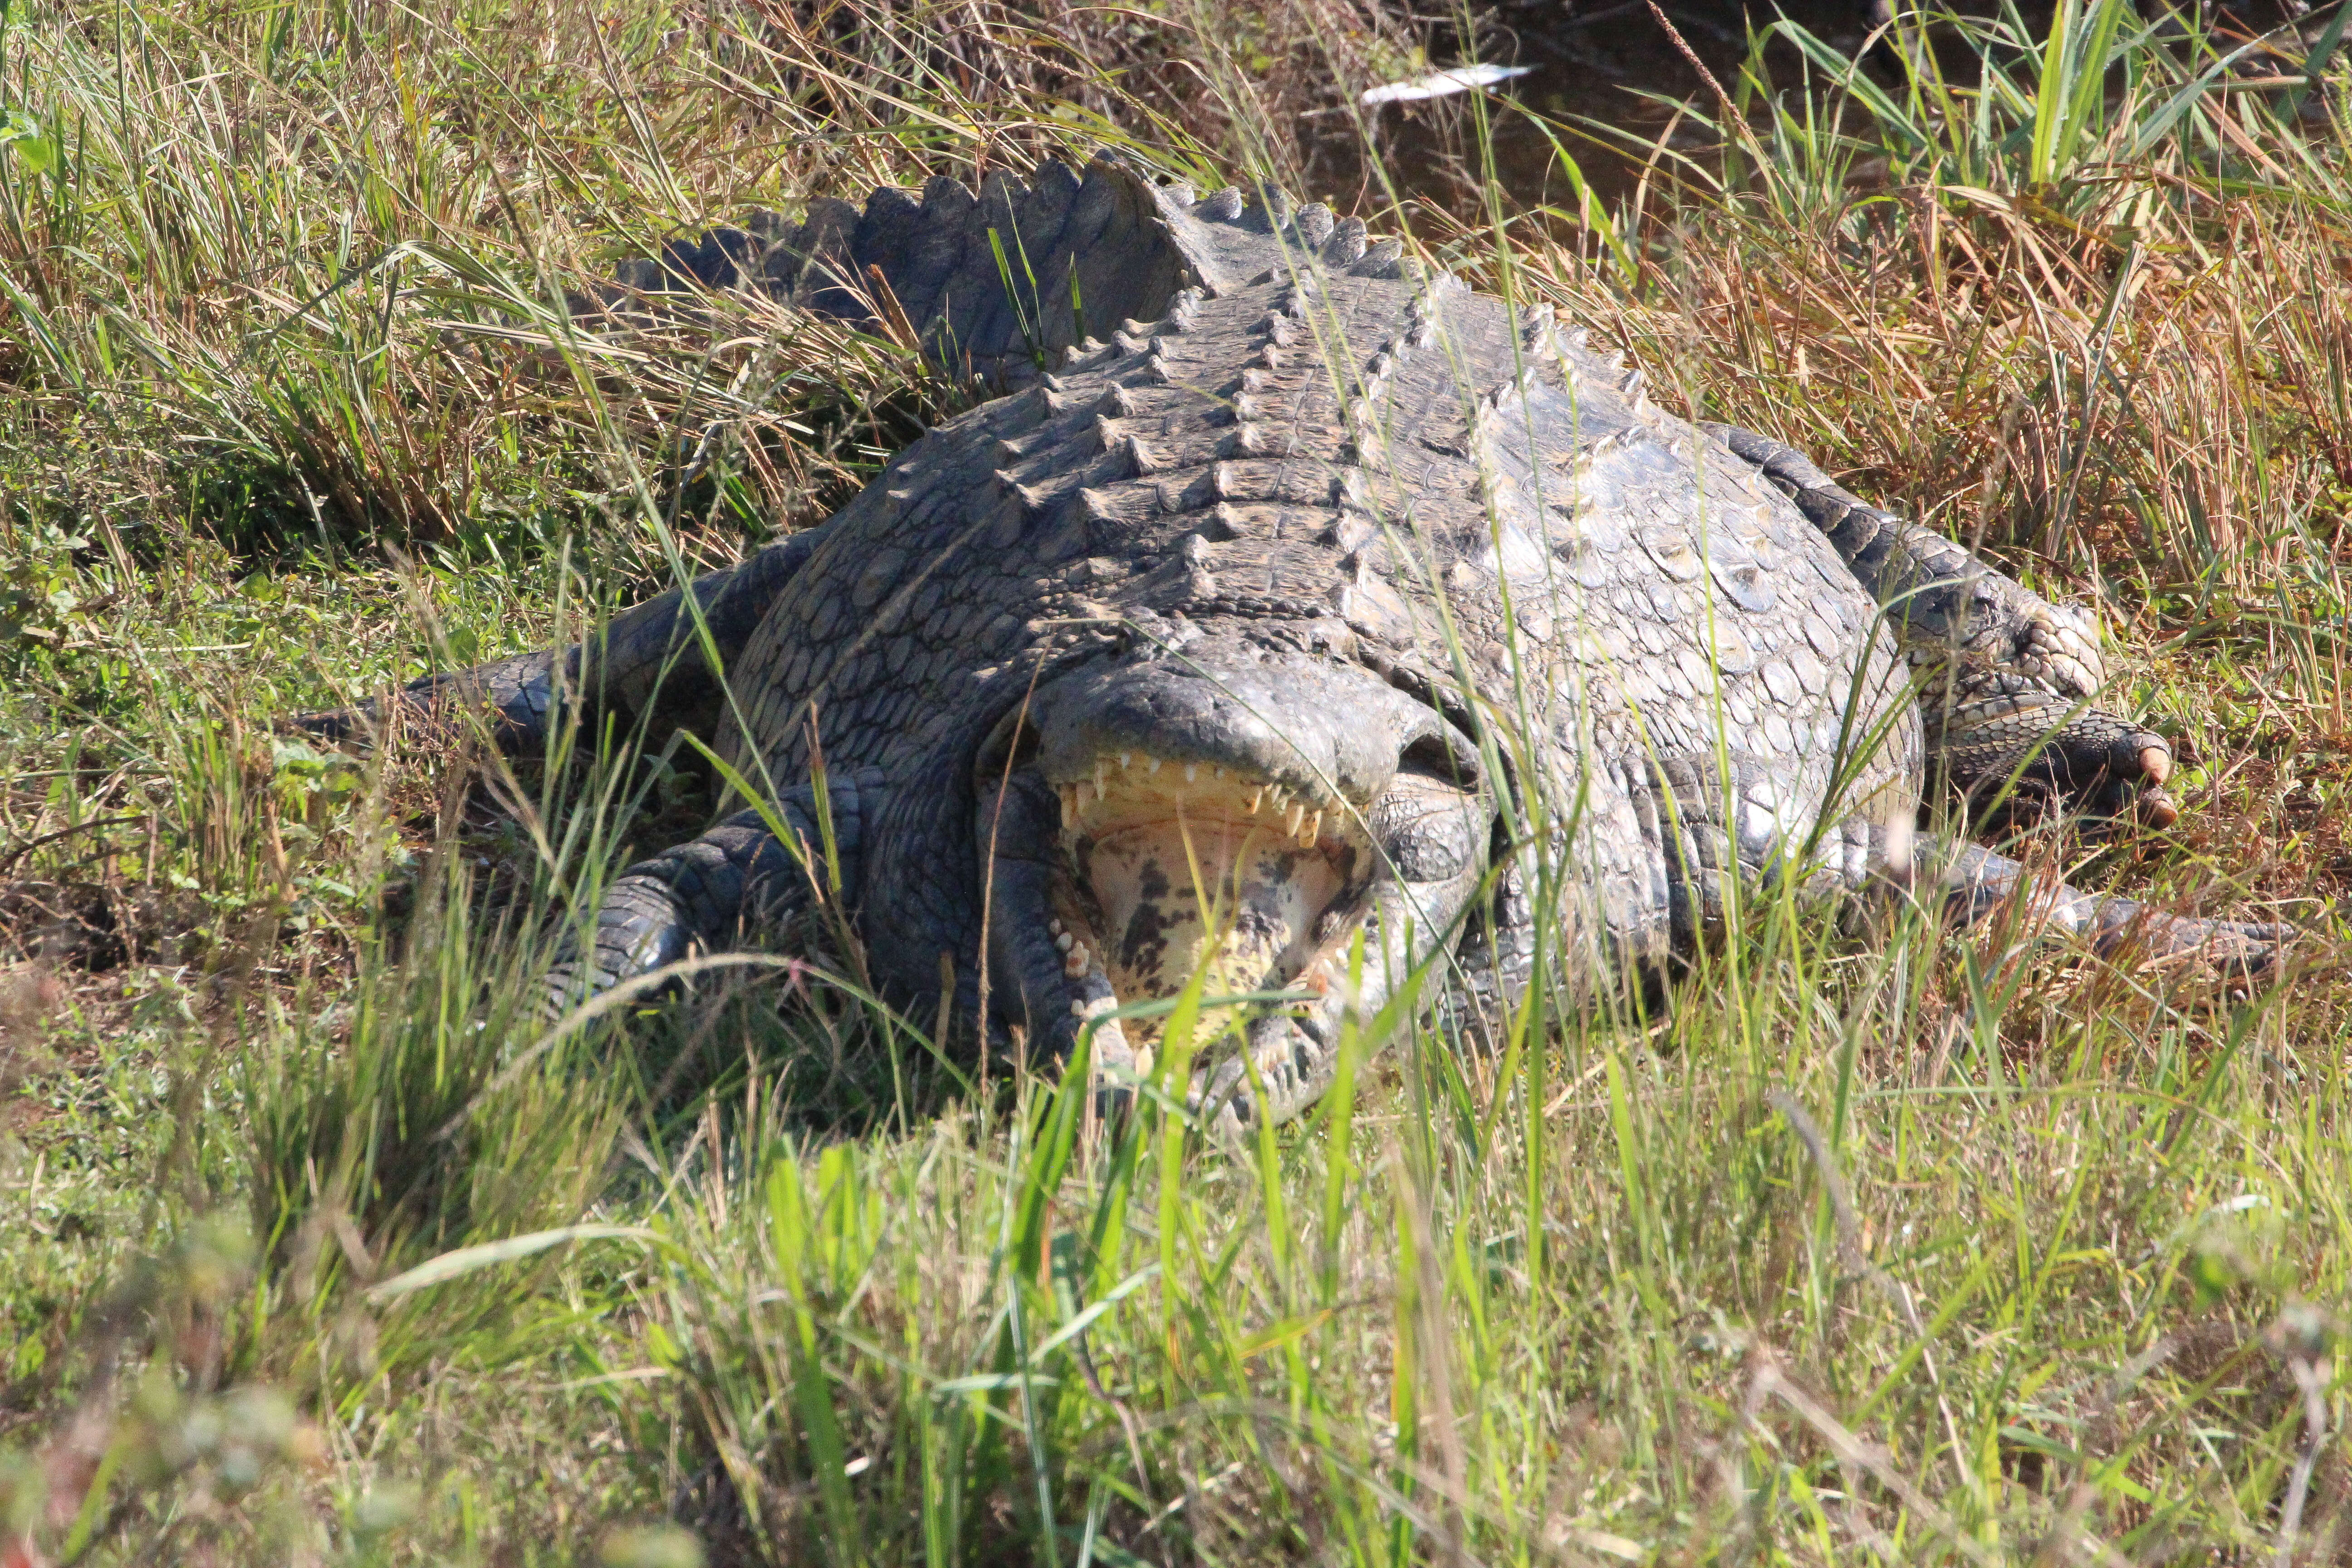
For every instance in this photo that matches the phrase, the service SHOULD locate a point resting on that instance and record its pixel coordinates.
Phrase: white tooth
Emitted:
(1102, 772)
(1077, 1009)
(1295, 813)
(1125, 758)
(1151, 765)
(1216, 772)
(1064, 938)
(1192, 772)
(1054, 926)
(1255, 796)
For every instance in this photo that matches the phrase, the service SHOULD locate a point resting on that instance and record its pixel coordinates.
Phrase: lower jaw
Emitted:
(1097, 991)
(1307, 898)
(1243, 1061)
(1050, 974)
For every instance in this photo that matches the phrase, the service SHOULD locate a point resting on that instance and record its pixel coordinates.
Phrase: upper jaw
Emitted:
(1326, 731)
(1211, 790)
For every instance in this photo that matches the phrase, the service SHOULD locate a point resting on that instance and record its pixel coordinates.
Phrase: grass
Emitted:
(1935, 1246)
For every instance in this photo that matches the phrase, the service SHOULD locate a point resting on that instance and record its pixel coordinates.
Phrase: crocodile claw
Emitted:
(2240, 953)
(2094, 764)
(2122, 776)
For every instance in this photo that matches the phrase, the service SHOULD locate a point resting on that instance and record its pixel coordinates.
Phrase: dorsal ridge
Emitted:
(1003, 282)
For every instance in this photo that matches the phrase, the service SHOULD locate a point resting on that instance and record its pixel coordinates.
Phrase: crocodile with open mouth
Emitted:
(1301, 618)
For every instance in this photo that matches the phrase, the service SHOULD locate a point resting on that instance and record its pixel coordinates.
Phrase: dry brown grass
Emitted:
(1597, 1301)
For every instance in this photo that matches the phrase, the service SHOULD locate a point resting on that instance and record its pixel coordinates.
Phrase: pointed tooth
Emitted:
(1055, 927)
(1215, 772)
(1192, 772)
(1079, 795)
(1297, 812)
(1126, 759)
(1151, 765)
(1102, 774)
(1255, 796)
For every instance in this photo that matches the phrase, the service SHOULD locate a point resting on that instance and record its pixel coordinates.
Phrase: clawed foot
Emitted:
(334, 726)
(2240, 953)
(2099, 767)
(2120, 780)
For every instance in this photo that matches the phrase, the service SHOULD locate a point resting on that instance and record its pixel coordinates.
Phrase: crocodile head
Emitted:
(1235, 812)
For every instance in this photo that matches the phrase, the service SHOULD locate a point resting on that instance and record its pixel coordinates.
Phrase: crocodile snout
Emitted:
(1229, 820)
(1324, 731)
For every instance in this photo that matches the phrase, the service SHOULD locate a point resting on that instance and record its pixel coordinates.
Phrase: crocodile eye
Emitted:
(1443, 751)
(1431, 757)
(1012, 745)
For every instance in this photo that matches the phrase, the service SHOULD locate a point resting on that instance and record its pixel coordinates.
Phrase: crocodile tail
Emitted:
(1002, 284)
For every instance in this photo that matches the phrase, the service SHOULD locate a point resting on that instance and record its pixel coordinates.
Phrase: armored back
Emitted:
(999, 285)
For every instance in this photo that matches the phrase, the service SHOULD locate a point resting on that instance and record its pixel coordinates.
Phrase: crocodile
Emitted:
(1298, 622)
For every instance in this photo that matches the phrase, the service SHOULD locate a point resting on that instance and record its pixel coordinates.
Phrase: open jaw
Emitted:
(1145, 822)
(1170, 869)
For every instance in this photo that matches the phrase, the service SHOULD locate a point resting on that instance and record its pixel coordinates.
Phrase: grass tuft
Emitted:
(318, 1246)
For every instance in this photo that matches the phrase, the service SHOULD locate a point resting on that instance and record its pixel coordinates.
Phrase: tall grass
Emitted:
(2077, 301)
(1941, 1247)
(2091, 266)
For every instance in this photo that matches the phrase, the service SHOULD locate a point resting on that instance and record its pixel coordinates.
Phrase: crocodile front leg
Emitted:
(2006, 678)
(735, 881)
(650, 663)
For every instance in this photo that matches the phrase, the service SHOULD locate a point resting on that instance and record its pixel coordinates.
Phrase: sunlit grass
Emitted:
(1929, 1246)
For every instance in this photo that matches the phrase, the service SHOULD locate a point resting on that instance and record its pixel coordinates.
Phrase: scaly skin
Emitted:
(1324, 602)
(2006, 678)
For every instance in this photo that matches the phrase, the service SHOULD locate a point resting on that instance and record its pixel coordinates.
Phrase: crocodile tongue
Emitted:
(1178, 871)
